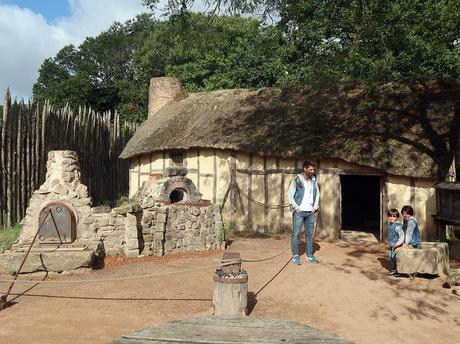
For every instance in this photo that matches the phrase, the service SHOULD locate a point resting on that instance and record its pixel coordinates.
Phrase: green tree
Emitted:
(112, 70)
(99, 73)
(358, 39)
(209, 53)
(372, 40)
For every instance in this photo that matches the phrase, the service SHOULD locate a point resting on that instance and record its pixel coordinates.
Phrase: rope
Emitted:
(124, 278)
(269, 206)
(269, 258)
(224, 263)
(258, 260)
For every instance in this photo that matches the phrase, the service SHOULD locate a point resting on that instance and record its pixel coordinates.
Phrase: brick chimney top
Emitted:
(164, 91)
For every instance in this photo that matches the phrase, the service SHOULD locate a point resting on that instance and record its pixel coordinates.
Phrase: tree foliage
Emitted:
(357, 39)
(314, 41)
(99, 73)
(112, 70)
(373, 40)
(212, 53)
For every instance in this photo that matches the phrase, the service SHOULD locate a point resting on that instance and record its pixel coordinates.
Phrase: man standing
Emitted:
(303, 196)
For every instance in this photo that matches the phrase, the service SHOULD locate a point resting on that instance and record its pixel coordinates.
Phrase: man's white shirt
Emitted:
(307, 200)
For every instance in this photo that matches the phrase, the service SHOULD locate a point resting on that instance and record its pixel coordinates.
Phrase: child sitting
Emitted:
(410, 227)
(395, 237)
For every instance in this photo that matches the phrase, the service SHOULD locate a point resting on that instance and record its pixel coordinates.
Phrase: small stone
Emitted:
(101, 222)
(128, 208)
(101, 209)
(88, 220)
(131, 253)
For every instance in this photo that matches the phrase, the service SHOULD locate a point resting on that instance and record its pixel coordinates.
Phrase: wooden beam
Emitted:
(282, 199)
(265, 196)
(198, 169)
(214, 180)
(249, 215)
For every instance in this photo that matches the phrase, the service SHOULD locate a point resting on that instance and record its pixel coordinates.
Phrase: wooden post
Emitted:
(230, 295)
(4, 155)
(3, 303)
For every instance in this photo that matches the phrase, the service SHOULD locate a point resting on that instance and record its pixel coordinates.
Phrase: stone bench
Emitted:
(429, 258)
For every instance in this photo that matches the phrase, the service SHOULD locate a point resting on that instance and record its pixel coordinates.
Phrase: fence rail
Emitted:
(28, 131)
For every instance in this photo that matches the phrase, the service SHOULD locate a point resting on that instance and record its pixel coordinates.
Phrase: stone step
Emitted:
(57, 261)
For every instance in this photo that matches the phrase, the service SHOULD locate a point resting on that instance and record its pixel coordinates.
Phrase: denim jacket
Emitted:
(395, 234)
(296, 191)
(411, 231)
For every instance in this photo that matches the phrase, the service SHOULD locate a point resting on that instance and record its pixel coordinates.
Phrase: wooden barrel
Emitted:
(230, 295)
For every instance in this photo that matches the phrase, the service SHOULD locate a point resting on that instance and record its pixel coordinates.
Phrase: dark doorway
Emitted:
(361, 203)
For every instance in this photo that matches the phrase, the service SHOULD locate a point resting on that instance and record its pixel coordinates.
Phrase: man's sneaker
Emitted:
(296, 260)
(393, 272)
(312, 259)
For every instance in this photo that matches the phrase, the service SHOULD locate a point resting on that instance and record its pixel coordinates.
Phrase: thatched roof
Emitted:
(401, 128)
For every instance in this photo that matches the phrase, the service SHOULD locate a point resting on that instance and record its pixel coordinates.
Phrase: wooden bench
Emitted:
(429, 258)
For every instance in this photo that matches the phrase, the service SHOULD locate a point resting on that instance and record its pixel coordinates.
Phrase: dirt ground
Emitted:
(348, 294)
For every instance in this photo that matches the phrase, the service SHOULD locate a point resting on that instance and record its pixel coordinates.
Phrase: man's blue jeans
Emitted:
(308, 219)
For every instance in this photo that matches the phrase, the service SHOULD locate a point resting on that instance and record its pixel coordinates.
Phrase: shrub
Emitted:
(8, 236)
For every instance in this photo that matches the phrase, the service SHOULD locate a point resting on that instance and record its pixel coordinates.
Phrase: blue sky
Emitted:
(50, 9)
(32, 30)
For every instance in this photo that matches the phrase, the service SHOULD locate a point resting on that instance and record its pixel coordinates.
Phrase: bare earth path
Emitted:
(348, 294)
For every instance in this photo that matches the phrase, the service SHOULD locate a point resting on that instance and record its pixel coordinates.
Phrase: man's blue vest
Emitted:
(300, 190)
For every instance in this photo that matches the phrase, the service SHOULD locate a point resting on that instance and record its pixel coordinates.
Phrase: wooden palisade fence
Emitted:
(29, 131)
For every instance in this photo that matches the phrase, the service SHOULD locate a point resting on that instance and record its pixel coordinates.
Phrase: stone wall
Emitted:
(144, 227)
(181, 228)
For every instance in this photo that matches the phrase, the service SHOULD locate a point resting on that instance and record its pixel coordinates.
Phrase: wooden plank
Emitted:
(9, 168)
(4, 156)
(384, 203)
(198, 169)
(265, 196)
(18, 169)
(232, 188)
(412, 192)
(249, 216)
(282, 198)
(252, 171)
(226, 330)
(214, 180)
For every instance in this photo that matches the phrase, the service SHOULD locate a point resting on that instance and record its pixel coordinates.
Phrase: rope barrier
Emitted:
(269, 206)
(123, 278)
(116, 279)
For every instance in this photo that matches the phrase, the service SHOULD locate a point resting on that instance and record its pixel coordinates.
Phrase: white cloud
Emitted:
(27, 39)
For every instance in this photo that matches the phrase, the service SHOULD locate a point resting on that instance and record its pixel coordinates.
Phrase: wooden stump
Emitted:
(230, 296)
(3, 303)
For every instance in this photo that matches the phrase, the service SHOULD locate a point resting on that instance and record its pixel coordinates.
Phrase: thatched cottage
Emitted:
(375, 146)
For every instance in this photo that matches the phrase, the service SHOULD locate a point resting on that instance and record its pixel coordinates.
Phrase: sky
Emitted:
(32, 30)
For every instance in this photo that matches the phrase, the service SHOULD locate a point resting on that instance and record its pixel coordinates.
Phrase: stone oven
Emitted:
(175, 217)
(176, 188)
(66, 232)
(167, 215)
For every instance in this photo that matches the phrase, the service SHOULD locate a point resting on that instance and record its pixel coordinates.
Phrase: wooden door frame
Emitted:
(383, 195)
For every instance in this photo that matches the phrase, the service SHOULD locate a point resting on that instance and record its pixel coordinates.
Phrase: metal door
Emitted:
(57, 224)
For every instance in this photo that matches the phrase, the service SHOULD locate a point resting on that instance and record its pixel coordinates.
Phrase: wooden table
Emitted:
(227, 330)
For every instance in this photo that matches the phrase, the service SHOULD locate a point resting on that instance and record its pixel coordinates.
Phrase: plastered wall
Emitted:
(265, 180)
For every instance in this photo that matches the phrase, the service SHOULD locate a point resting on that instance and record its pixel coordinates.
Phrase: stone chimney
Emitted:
(164, 91)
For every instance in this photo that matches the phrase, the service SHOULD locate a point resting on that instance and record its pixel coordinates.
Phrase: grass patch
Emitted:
(122, 200)
(114, 203)
(8, 236)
